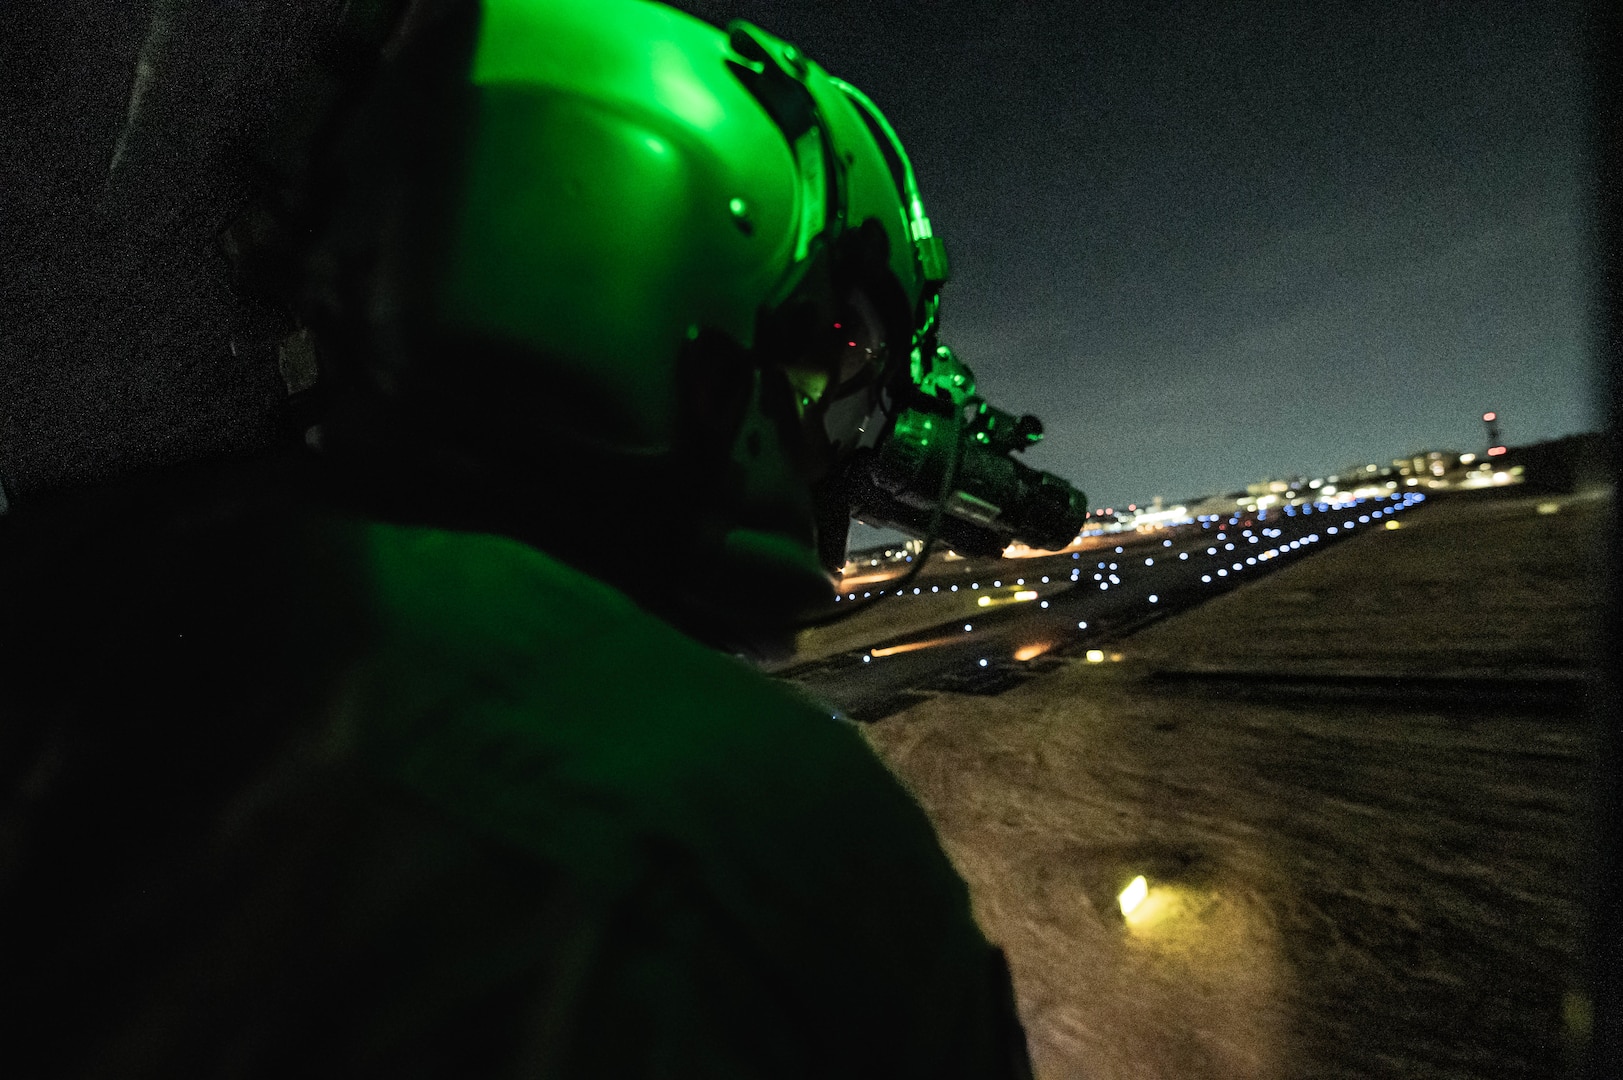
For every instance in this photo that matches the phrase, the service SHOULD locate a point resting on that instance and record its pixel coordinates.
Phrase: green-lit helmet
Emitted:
(638, 178)
(622, 259)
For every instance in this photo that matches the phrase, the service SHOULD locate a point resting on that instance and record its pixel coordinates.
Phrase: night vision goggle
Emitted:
(908, 440)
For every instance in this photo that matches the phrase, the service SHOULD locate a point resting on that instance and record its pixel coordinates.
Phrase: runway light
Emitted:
(1394, 524)
(1206, 577)
(968, 627)
(911, 646)
(1026, 594)
(1549, 508)
(866, 659)
(1154, 599)
(1030, 652)
(1096, 656)
(983, 662)
(1183, 555)
(1133, 895)
(1044, 603)
(1081, 626)
(985, 601)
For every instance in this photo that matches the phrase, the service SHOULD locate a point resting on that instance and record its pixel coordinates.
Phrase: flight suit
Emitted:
(293, 790)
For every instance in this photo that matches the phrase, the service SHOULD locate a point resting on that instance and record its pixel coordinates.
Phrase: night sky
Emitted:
(1213, 243)
(1207, 244)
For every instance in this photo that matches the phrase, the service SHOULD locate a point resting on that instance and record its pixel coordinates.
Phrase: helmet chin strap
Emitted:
(948, 476)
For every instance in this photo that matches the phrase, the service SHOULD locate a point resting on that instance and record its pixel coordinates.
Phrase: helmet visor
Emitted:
(840, 378)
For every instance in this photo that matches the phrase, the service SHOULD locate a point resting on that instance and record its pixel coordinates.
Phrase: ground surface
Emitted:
(1357, 789)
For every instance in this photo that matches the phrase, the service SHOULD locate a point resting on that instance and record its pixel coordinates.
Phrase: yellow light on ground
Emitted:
(1549, 508)
(985, 601)
(1026, 594)
(867, 579)
(1096, 656)
(911, 646)
(1133, 895)
(1031, 652)
(1394, 524)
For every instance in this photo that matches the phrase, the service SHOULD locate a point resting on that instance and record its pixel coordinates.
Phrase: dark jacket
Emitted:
(292, 791)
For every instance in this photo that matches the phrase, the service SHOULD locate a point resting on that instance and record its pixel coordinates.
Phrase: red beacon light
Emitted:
(1490, 417)
(1495, 451)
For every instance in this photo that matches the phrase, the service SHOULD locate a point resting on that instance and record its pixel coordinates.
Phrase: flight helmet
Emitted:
(624, 259)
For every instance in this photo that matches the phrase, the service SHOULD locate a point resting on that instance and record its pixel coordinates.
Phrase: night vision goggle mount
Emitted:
(947, 471)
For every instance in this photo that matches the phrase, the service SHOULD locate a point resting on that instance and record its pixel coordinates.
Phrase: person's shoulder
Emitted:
(498, 673)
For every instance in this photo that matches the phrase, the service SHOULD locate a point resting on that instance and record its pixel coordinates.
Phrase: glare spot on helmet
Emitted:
(656, 145)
